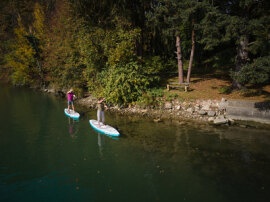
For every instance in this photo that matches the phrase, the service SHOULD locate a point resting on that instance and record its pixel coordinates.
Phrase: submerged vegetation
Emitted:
(125, 50)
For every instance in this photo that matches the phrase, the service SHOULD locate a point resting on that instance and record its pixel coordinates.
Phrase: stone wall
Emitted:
(249, 110)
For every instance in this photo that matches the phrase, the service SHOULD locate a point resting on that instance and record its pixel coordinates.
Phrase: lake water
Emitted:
(46, 156)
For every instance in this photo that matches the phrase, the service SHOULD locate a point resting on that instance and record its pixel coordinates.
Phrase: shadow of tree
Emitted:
(256, 92)
(263, 106)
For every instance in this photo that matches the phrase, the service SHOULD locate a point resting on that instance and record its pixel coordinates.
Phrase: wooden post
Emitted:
(168, 87)
(186, 88)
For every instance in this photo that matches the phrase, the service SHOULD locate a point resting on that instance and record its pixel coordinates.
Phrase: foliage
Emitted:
(125, 82)
(257, 72)
(125, 76)
(63, 61)
(151, 97)
(171, 96)
(21, 57)
(89, 44)
(39, 22)
(104, 46)
(243, 26)
(225, 89)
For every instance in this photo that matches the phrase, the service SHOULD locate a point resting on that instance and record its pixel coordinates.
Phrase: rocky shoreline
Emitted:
(207, 111)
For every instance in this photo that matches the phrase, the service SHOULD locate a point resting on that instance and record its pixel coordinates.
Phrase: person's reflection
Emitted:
(71, 127)
(100, 144)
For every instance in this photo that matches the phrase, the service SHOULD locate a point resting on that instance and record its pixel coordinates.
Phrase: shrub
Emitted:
(257, 72)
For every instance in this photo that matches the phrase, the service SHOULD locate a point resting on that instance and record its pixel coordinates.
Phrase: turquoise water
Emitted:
(46, 156)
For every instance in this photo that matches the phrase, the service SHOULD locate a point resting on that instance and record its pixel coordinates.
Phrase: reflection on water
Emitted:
(101, 139)
(73, 127)
(234, 160)
(45, 156)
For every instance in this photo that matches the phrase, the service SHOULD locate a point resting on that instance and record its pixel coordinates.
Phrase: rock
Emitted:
(51, 90)
(133, 110)
(220, 120)
(185, 105)
(190, 110)
(157, 120)
(211, 113)
(144, 111)
(168, 105)
(243, 126)
(202, 112)
(206, 107)
(223, 104)
(61, 93)
(197, 109)
(231, 121)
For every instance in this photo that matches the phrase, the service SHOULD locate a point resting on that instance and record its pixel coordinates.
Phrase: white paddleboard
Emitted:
(71, 113)
(104, 129)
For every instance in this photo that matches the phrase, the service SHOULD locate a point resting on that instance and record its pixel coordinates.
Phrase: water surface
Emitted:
(46, 156)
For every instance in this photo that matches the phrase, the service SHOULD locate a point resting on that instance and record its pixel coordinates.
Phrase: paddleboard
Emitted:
(71, 113)
(104, 129)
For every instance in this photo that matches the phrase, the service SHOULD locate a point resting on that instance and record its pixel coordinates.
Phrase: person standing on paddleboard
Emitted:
(70, 97)
(100, 110)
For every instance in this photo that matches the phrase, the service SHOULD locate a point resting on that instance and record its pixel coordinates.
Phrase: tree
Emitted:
(179, 59)
(179, 19)
(9, 11)
(257, 72)
(165, 23)
(37, 38)
(125, 76)
(21, 57)
(87, 42)
(238, 22)
(63, 62)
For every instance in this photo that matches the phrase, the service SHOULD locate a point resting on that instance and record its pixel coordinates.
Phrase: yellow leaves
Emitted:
(21, 58)
(39, 19)
(122, 45)
(20, 31)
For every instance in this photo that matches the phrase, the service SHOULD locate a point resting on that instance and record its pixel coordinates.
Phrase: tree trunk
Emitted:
(241, 58)
(179, 59)
(191, 53)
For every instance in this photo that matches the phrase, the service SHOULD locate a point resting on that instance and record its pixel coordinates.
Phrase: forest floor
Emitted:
(218, 87)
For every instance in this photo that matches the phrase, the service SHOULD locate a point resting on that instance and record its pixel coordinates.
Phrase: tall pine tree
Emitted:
(244, 23)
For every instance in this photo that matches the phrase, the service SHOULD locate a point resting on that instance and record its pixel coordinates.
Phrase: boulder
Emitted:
(168, 105)
(202, 112)
(190, 110)
(211, 113)
(220, 120)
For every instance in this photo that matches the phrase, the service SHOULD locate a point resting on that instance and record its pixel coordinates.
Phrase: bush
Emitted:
(151, 97)
(124, 83)
(225, 90)
(254, 73)
(171, 96)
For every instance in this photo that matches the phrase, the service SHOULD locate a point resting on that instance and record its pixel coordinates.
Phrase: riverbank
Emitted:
(210, 99)
(227, 110)
(217, 112)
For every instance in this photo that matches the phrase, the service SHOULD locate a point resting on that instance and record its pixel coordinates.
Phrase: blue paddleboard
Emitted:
(104, 129)
(72, 114)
